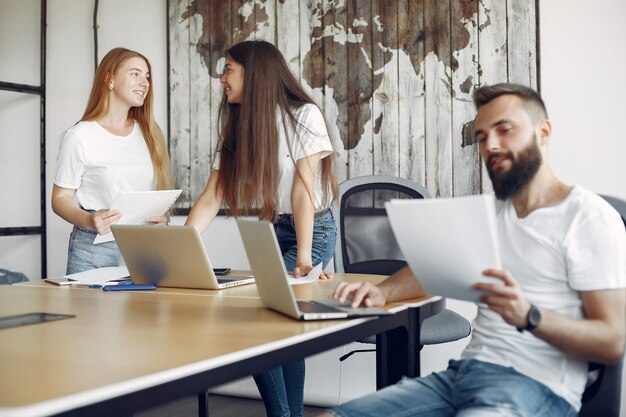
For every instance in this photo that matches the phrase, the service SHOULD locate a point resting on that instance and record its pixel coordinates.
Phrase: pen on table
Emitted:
(86, 285)
(129, 287)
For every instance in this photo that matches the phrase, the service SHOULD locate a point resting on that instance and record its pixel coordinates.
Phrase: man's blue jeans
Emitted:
(467, 388)
(282, 388)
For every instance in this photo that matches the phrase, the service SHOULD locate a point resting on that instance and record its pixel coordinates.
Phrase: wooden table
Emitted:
(127, 351)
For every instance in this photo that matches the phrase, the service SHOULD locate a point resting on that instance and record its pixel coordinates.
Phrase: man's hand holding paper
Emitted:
(448, 242)
(506, 300)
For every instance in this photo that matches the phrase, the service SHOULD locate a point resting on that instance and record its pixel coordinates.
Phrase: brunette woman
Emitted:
(274, 156)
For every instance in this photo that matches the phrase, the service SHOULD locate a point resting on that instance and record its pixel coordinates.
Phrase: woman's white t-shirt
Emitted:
(98, 164)
(309, 138)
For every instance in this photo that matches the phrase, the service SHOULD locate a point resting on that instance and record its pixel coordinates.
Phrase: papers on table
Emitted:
(448, 242)
(310, 277)
(100, 276)
(136, 206)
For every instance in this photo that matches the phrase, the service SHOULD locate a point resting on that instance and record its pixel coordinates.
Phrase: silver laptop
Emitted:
(271, 275)
(170, 256)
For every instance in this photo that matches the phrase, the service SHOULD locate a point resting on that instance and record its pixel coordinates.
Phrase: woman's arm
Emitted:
(63, 205)
(302, 205)
(206, 207)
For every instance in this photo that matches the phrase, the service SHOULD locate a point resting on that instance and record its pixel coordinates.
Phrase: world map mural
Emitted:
(394, 78)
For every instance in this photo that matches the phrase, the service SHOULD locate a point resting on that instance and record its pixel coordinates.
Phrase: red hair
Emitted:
(98, 105)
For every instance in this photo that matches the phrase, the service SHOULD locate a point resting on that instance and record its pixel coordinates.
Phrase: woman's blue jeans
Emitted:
(83, 255)
(282, 388)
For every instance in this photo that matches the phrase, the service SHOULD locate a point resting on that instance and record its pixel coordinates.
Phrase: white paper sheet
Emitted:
(136, 206)
(310, 277)
(100, 276)
(448, 242)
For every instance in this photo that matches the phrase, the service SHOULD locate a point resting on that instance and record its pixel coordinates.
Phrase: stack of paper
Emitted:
(448, 242)
(100, 276)
(136, 206)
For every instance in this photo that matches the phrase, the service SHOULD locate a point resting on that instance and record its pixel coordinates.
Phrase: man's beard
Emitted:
(523, 169)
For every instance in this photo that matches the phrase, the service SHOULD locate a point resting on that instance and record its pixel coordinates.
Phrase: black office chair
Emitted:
(603, 394)
(366, 245)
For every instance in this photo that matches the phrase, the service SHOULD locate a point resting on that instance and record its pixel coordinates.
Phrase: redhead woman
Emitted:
(116, 146)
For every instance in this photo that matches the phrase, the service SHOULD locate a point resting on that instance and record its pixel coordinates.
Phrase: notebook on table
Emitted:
(170, 256)
(268, 267)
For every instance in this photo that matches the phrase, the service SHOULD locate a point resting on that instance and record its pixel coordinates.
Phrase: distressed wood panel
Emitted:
(334, 41)
(179, 93)
(412, 92)
(438, 98)
(466, 178)
(521, 32)
(492, 53)
(200, 124)
(242, 16)
(288, 33)
(266, 26)
(360, 92)
(394, 78)
(360, 126)
(386, 151)
(220, 30)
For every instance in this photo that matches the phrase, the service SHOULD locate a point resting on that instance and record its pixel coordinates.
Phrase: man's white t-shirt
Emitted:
(98, 164)
(309, 138)
(553, 253)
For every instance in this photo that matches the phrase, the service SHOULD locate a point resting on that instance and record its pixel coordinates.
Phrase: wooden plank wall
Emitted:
(393, 77)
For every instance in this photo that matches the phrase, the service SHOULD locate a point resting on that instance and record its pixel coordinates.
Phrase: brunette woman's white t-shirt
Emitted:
(98, 164)
(309, 137)
(553, 253)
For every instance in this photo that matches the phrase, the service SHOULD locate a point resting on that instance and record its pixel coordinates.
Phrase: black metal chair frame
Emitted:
(462, 328)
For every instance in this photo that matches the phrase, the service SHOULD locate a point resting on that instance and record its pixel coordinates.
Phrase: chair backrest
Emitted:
(365, 240)
(602, 397)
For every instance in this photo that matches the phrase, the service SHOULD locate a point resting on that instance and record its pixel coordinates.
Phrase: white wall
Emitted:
(583, 55)
(580, 71)
(19, 142)
(138, 25)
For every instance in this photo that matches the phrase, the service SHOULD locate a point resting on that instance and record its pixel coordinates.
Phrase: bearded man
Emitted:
(561, 303)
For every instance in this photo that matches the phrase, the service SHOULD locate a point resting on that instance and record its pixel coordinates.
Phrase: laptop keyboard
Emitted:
(313, 307)
(227, 280)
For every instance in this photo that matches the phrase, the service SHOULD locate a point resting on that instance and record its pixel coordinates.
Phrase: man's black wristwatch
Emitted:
(534, 318)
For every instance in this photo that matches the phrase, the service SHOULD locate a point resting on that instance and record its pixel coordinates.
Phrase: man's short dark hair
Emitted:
(532, 100)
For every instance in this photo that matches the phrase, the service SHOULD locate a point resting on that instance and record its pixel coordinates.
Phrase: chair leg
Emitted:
(347, 355)
(203, 404)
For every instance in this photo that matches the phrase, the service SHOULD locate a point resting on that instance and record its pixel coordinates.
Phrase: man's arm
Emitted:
(399, 286)
(599, 337)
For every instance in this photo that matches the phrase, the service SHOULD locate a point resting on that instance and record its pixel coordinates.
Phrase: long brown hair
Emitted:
(98, 105)
(249, 138)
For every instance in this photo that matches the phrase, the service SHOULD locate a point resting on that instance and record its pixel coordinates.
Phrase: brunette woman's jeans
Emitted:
(282, 388)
